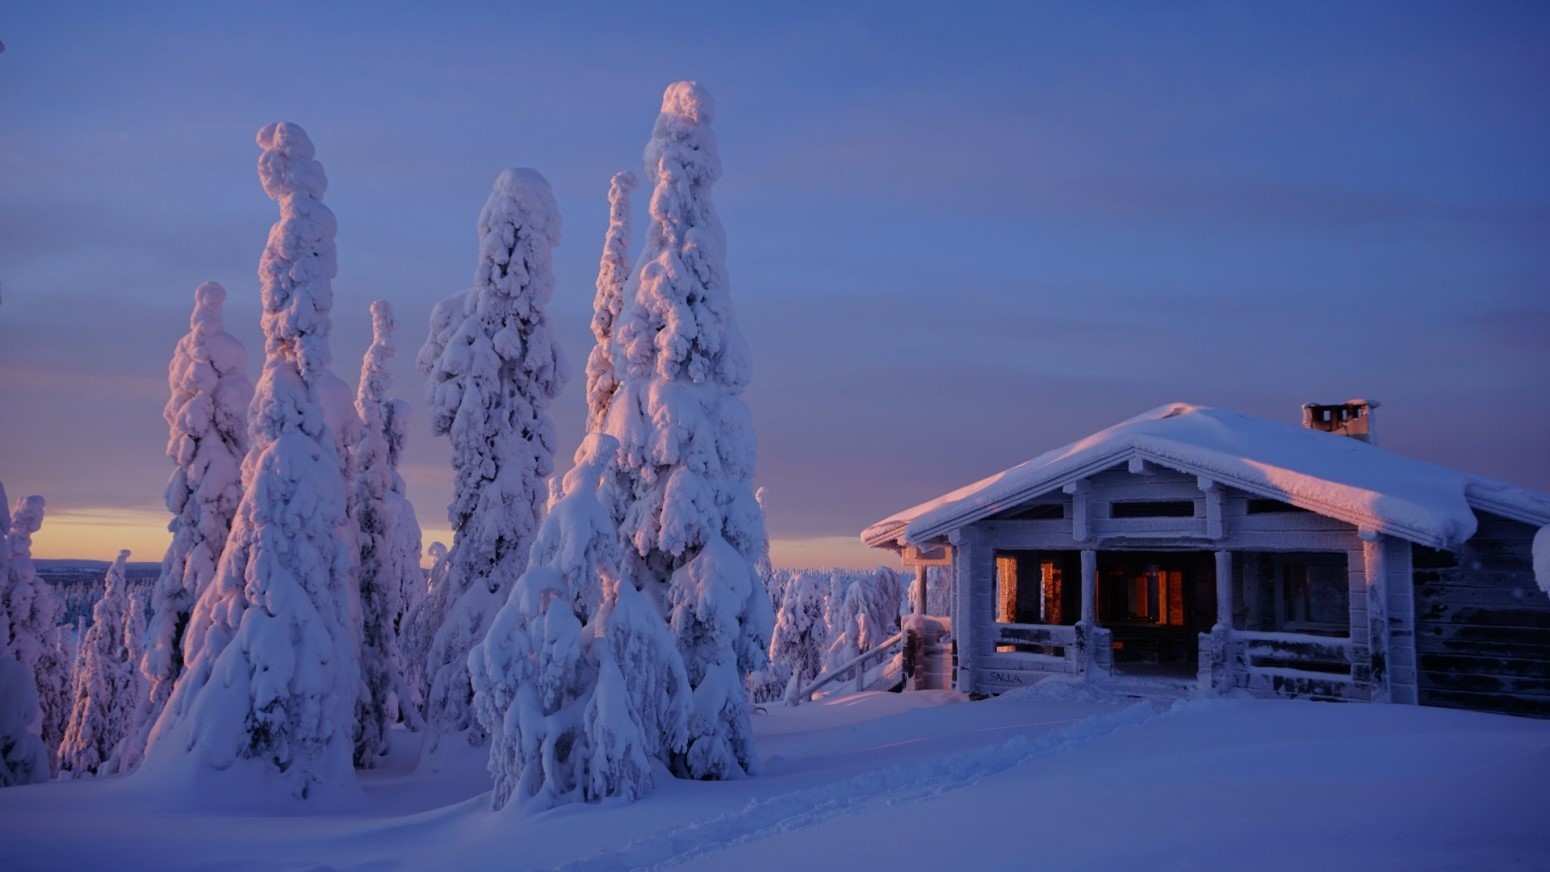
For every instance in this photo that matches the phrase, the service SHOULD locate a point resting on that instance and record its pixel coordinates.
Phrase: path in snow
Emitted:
(895, 785)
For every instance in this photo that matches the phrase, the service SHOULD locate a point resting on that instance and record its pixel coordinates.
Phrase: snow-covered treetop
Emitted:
(113, 582)
(208, 384)
(299, 261)
(31, 607)
(677, 317)
(613, 267)
(517, 265)
(372, 401)
(206, 318)
(27, 518)
(613, 271)
(498, 330)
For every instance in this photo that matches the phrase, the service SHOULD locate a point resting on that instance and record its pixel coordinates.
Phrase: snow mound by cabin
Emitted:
(1332, 475)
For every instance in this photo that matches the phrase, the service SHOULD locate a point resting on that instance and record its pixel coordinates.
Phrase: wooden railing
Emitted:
(1324, 655)
(856, 666)
(1039, 647)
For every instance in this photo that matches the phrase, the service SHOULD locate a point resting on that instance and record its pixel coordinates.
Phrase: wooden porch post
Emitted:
(1090, 589)
(1375, 568)
(920, 590)
(965, 555)
(1215, 665)
(1224, 590)
(1090, 647)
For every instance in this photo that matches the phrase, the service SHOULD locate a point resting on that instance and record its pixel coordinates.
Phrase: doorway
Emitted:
(1155, 604)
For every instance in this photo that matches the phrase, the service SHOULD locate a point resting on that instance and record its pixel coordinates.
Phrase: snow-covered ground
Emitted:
(1059, 776)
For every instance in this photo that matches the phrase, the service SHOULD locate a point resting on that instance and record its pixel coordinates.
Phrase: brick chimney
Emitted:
(1351, 418)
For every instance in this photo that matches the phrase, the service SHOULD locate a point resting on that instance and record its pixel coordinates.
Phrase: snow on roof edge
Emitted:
(1332, 475)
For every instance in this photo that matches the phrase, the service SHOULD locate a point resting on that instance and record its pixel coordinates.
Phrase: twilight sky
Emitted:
(959, 234)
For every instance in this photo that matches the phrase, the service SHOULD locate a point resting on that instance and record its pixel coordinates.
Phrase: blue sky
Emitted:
(959, 234)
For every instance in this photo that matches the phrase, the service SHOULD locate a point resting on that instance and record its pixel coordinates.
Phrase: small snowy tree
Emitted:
(23, 757)
(32, 637)
(565, 722)
(138, 691)
(613, 270)
(425, 617)
(639, 711)
(681, 490)
(206, 417)
(104, 681)
(493, 368)
(389, 543)
(868, 613)
(800, 639)
(764, 565)
(271, 658)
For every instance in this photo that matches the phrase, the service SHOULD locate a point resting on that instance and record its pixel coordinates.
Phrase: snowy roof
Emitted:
(1331, 475)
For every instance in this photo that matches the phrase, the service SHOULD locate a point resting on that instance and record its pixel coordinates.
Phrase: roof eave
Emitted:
(907, 534)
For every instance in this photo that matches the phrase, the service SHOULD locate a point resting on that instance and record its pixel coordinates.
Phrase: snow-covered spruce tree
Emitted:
(681, 490)
(613, 270)
(639, 711)
(104, 682)
(764, 565)
(532, 674)
(23, 757)
(425, 617)
(763, 684)
(800, 639)
(207, 435)
(389, 543)
(566, 724)
(32, 610)
(272, 671)
(868, 614)
(137, 694)
(493, 368)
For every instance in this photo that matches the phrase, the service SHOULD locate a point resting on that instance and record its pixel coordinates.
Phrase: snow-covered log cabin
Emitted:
(1214, 550)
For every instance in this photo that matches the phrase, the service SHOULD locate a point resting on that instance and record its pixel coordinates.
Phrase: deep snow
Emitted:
(1058, 776)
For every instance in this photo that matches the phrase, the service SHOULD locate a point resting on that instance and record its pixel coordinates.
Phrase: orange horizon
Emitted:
(99, 533)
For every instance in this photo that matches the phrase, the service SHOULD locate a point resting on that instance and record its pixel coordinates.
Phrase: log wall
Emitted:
(1482, 631)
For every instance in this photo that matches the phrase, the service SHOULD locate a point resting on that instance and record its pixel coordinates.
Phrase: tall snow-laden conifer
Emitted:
(390, 540)
(206, 415)
(23, 757)
(267, 698)
(613, 270)
(493, 368)
(32, 637)
(681, 489)
(105, 681)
